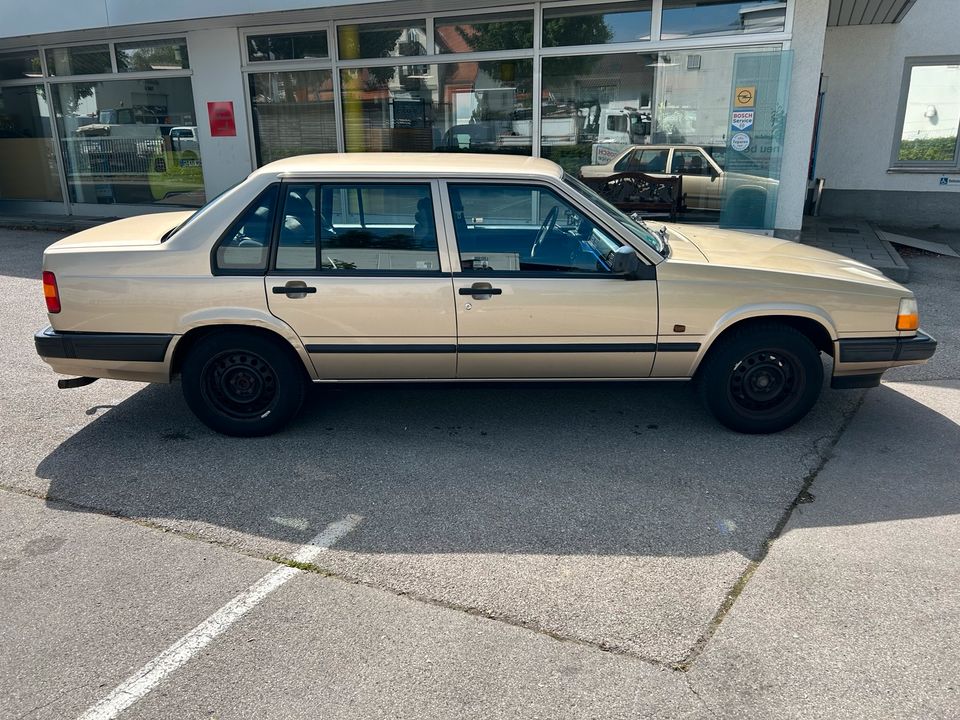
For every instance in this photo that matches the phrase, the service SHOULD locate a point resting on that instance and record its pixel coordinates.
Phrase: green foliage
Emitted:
(931, 149)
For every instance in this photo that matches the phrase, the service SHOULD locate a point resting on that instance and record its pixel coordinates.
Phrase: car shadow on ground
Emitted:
(589, 469)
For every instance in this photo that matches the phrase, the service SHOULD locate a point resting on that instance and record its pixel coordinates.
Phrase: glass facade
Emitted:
(29, 167)
(293, 113)
(130, 141)
(597, 24)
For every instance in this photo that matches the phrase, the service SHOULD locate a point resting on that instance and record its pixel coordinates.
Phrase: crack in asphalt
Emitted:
(802, 496)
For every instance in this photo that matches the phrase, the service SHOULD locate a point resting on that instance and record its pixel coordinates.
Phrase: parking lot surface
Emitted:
(586, 550)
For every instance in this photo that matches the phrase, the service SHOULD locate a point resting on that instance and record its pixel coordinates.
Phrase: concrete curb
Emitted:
(53, 223)
(901, 271)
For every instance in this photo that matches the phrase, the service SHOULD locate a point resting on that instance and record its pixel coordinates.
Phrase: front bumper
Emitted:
(919, 348)
(114, 347)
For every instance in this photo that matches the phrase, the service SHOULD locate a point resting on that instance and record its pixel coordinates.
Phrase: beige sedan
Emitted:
(367, 267)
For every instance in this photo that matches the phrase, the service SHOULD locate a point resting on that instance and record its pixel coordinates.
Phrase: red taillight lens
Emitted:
(50, 292)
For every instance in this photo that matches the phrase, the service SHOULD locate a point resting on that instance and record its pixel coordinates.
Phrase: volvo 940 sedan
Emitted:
(407, 267)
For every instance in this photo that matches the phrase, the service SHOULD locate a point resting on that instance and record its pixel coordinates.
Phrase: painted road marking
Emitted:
(153, 673)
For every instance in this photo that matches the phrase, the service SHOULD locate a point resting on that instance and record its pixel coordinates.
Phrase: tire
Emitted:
(242, 384)
(761, 378)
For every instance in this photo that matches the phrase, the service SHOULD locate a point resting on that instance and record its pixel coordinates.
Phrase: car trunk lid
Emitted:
(128, 232)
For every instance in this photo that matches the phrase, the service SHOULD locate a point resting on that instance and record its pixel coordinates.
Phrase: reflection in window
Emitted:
(402, 38)
(152, 55)
(116, 145)
(690, 18)
(79, 60)
(19, 65)
(596, 106)
(597, 25)
(29, 167)
(291, 46)
(481, 33)
(293, 114)
(466, 107)
(931, 117)
(359, 227)
(246, 245)
(524, 228)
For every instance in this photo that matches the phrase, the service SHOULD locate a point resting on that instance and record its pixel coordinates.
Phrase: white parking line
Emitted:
(153, 673)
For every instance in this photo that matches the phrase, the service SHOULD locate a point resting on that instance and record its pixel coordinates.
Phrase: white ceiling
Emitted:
(867, 12)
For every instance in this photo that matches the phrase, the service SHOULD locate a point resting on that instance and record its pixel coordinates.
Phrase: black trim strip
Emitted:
(558, 348)
(388, 348)
(122, 347)
(644, 272)
(678, 347)
(887, 349)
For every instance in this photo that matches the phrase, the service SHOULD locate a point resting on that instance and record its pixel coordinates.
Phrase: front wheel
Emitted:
(238, 383)
(761, 379)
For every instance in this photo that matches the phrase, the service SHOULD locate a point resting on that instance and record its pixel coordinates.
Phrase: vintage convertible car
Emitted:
(405, 267)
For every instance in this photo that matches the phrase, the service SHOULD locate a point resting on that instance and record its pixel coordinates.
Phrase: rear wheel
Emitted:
(761, 378)
(241, 384)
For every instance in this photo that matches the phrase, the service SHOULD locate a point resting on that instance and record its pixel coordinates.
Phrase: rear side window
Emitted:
(339, 227)
(245, 247)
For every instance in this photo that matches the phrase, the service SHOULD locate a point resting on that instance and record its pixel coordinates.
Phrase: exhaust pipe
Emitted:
(66, 383)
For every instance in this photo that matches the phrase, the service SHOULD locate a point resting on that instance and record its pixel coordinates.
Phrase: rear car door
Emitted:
(535, 293)
(358, 273)
(699, 184)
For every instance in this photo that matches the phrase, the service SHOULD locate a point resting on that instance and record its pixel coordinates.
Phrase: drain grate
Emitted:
(844, 231)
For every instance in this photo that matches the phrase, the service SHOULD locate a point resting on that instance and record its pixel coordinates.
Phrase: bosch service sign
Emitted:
(742, 120)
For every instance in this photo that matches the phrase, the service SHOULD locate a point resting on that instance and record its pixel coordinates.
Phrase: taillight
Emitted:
(50, 292)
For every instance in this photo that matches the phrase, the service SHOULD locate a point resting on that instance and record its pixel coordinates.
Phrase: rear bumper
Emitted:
(889, 349)
(114, 347)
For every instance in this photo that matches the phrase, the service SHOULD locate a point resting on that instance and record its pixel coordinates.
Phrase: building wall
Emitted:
(864, 70)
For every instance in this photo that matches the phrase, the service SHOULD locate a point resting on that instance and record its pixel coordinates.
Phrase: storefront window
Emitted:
(79, 60)
(293, 114)
(291, 46)
(130, 141)
(669, 115)
(387, 39)
(930, 115)
(19, 65)
(152, 55)
(466, 107)
(597, 24)
(507, 31)
(698, 18)
(29, 167)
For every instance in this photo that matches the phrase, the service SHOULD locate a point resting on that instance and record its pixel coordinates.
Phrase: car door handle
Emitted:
(293, 290)
(475, 290)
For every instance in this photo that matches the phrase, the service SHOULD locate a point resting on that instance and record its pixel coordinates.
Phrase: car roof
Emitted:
(438, 164)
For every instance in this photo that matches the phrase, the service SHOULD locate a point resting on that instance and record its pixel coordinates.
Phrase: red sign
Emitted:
(222, 123)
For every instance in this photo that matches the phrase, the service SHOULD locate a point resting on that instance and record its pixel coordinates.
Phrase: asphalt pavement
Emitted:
(594, 550)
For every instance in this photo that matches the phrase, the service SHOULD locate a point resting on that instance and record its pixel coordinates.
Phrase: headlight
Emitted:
(908, 316)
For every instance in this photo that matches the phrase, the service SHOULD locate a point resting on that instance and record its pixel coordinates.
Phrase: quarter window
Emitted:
(246, 245)
(358, 227)
(524, 228)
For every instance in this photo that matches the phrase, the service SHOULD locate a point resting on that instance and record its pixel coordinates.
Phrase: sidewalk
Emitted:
(855, 239)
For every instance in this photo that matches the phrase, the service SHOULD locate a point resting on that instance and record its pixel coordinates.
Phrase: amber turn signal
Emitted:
(908, 316)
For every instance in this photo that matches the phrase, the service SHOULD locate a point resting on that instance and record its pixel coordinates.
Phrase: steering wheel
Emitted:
(548, 224)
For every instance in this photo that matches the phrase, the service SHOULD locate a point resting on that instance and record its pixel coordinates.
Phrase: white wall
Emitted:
(215, 59)
(864, 66)
(809, 23)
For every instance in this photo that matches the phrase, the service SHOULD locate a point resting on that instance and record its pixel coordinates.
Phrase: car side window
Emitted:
(525, 228)
(689, 162)
(246, 244)
(334, 227)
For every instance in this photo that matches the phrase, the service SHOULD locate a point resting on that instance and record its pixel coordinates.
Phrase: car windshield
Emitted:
(638, 229)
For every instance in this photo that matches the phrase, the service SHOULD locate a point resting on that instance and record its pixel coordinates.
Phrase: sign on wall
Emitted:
(745, 96)
(222, 121)
(742, 120)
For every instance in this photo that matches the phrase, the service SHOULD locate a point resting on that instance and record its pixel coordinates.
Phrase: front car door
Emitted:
(699, 183)
(535, 293)
(358, 273)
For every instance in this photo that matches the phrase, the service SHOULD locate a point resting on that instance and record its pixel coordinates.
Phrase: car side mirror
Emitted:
(626, 263)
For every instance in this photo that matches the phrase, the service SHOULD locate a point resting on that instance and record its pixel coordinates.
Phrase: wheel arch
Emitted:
(812, 322)
(271, 329)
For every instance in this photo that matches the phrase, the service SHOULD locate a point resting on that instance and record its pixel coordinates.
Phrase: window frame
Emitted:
(920, 166)
(647, 272)
(216, 270)
(439, 226)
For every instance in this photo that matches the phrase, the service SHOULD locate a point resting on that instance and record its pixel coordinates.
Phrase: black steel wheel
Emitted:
(761, 378)
(243, 383)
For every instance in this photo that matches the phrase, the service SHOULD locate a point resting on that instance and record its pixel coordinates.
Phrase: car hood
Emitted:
(128, 232)
(692, 243)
